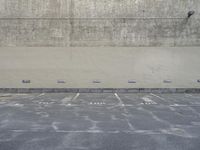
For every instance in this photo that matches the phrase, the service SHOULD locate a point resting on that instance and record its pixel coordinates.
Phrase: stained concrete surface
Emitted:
(76, 121)
(73, 23)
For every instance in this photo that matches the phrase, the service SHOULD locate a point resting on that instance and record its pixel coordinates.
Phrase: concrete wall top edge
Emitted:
(97, 8)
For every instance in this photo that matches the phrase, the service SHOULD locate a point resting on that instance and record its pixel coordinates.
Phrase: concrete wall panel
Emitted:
(99, 23)
(34, 8)
(34, 32)
(113, 67)
(136, 32)
(134, 8)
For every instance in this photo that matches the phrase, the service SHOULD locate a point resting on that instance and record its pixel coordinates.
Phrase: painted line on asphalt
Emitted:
(157, 96)
(125, 110)
(148, 101)
(42, 94)
(119, 99)
(54, 126)
(66, 99)
(76, 96)
(189, 95)
(187, 105)
(143, 132)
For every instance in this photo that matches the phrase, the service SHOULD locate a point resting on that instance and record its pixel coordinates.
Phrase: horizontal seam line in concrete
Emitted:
(90, 18)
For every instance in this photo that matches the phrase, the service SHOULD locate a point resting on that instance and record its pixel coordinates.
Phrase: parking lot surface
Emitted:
(99, 121)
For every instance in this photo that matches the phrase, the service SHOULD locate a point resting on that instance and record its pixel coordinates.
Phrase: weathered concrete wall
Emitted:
(111, 67)
(99, 23)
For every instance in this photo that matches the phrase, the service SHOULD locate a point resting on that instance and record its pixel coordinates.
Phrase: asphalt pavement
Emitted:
(99, 121)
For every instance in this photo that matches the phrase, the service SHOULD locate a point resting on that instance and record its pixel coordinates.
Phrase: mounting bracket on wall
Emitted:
(26, 81)
(167, 81)
(61, 81)
(131, 81)
(96, 81)
(190, 13)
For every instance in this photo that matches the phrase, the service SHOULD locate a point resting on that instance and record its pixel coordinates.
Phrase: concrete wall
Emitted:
(111, 67)
(99, 23)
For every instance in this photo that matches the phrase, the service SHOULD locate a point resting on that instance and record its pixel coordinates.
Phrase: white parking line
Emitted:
(190, 95)
(66, 99)
(76, 96)
(125, 110)
(54, 126)
(119, 99)
(157, 96)
(41, 94)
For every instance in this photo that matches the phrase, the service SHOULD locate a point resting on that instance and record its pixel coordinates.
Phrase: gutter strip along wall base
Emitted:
(99, 90)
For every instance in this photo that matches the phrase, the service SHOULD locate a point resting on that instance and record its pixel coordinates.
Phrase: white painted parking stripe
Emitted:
(119, 99)
(188, 94)
(41, 94)
(76, 96)
(66, 99)
(157, 96)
